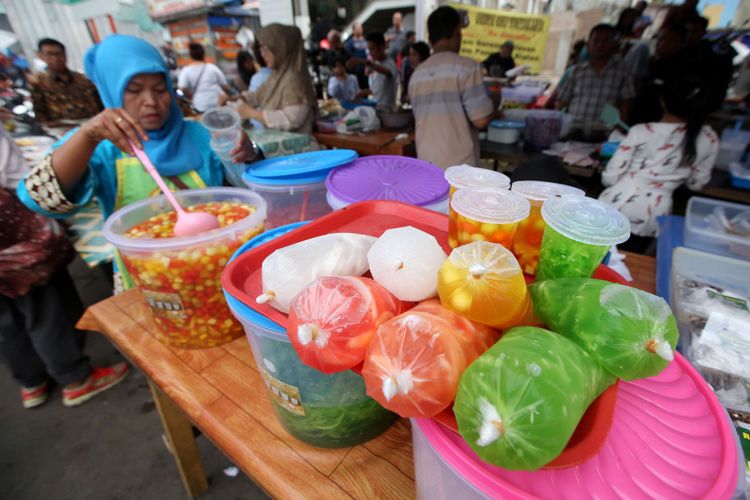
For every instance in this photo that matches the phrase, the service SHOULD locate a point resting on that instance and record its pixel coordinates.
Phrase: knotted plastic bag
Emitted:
(483, 282)
(333, 320)
(406, 260)
(630, 332)
(288, 270)
(414, 362)
(519, 403)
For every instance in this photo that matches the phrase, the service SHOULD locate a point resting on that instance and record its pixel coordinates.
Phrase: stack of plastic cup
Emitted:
(488, 215)
(465, 177)
(528, 239)
(579, 233)
(225, 126)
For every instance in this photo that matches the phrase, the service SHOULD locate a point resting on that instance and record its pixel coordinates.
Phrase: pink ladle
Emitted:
(188, 223)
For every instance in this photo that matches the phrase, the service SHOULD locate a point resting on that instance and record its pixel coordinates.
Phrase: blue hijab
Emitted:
(111, 65)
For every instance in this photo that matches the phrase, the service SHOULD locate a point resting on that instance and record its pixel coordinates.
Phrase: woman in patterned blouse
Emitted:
(656, 158)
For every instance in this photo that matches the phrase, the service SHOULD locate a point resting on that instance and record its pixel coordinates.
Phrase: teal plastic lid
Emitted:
(294, 180)
(507, 124)
(302, 164)
(586, 220)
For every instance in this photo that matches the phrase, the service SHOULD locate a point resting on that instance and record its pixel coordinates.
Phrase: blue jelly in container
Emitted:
(327, 411)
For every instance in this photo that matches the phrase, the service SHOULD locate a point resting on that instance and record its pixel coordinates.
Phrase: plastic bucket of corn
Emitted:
(180, 277)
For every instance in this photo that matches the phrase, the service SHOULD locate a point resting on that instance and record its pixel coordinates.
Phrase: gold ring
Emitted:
(118, 119)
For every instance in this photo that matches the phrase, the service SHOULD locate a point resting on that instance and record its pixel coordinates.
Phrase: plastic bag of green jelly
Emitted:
(632, 333)
(519, 403)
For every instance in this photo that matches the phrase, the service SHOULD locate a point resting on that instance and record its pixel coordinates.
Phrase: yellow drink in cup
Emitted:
(464, 177)
(488, 215)
(528, 239)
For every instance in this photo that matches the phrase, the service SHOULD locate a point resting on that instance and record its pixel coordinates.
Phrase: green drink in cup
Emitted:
(578, 235)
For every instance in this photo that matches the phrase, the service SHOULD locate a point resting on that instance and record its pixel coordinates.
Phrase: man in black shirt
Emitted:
(711, 60)
(500, 62)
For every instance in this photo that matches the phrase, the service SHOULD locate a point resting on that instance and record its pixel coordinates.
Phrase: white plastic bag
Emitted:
(290, 269)
(406, 261)
(360, 119)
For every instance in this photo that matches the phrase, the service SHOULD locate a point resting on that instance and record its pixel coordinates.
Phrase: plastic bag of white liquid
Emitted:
(290, 269)
(406, 262)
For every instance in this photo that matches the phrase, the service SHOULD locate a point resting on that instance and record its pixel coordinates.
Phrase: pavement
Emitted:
(110, 447)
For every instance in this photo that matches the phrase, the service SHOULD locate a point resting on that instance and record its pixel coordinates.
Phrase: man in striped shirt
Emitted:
(448, 97)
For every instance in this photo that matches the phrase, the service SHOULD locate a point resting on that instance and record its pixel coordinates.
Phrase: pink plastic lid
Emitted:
(385, 177)
(670, 438)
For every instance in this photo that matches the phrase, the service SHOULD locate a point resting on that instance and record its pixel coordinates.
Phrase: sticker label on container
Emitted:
(736, 302)
(284, 395)
(165, 304)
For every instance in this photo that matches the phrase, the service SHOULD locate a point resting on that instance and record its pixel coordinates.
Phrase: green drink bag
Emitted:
(519, 403)
(631, 333)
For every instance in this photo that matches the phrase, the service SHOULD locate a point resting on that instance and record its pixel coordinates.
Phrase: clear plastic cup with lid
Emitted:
(579, 233)
(488, 215)
(528, 239)
(466, 177)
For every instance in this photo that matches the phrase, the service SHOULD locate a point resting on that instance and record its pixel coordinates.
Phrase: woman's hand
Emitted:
(225, 98)
(245, 151)
(116, 125)
(248, 112)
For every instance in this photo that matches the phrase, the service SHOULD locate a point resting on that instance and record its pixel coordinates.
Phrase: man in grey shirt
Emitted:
(382, 72)
(395, 37)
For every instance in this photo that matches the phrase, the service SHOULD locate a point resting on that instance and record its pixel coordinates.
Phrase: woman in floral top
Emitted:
(656, 158)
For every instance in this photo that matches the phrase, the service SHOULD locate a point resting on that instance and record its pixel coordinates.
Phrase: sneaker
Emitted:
(100, 380)
(35, 396)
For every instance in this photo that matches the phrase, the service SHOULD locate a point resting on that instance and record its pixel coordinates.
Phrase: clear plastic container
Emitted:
(707, 291)
(464, 176)
(337, 204)
(180, 277)
(224, 124)
(528, 239)
(328, 411)
(435, 478)
(488, 215)
(732, 147)
(291, 199)
(578, 235)
(705, 230)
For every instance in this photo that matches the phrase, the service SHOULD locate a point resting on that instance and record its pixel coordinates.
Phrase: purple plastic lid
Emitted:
(388, 178)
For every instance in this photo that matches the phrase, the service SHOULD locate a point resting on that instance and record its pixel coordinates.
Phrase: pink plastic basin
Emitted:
(670, 438)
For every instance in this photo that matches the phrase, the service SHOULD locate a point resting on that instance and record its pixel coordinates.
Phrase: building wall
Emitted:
(35, 19)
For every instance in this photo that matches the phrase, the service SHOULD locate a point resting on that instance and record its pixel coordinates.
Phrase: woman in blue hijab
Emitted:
(96, 159)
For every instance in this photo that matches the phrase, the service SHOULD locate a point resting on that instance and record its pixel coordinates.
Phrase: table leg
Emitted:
(179, 433)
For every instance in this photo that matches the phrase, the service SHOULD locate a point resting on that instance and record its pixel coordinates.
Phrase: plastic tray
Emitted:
(242, 280)
(670, 438)
(701, 235)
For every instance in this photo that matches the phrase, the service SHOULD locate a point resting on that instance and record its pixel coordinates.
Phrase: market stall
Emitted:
(221, 391)
(444, 329)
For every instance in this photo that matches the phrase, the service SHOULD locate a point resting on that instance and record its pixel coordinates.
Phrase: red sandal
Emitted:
(35, 396)
(100, 380)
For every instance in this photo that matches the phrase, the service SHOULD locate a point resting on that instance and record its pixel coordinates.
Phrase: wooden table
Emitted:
(220, 391)
(371, 143)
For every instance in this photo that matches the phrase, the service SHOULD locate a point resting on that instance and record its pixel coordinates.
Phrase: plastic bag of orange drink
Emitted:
(414, 362)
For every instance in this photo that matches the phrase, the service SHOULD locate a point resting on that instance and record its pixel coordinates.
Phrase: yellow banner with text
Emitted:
(485, 30)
